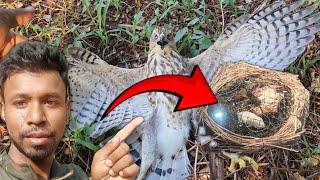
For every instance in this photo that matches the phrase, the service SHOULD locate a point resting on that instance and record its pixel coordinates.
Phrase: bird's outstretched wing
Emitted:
(272, 37)
(94, 84)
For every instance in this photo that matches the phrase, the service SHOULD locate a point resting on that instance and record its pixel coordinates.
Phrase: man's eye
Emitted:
(51, 102)
(20, 104)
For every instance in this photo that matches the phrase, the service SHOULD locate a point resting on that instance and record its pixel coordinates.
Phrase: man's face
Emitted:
(36, 112)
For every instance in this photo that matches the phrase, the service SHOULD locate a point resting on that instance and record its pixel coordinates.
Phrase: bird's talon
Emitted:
(232, 167)
(241, 163)
(241, 160)
(251, 161)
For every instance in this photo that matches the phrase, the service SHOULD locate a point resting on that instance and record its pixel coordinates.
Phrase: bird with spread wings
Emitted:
(272, 37)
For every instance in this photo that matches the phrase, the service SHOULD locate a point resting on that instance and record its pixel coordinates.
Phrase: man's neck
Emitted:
(41, 167)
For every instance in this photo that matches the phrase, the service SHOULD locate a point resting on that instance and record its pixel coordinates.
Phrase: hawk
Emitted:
(271, 37)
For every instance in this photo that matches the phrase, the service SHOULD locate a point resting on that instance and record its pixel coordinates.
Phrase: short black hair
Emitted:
(33, 56)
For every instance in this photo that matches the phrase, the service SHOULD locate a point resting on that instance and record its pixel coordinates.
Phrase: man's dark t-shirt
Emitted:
(10, 170)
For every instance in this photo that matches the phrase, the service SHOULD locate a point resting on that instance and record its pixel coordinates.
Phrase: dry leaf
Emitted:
(297, 176)
(311, 161)
(138, 2)
(315, 81)
(67, 151)
(47, 17)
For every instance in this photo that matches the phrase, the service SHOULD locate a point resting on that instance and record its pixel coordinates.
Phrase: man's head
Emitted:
(34, 83)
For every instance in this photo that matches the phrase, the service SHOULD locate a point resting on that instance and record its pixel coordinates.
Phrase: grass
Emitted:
(118, 31)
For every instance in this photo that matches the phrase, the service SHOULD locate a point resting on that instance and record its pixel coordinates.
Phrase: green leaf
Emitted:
(194, 51)
(105, 11)
(317, 149)
(198, 32)
(99, 8)
(72, 29)
(205, 43)
(168, 10)
(88, 129)
(156, 12)
(57, 41)
(199, 12)
(86, 6)
(83, 35)
(180, 34)
(135, 39)
(73, 121)
(313, 61)
(153, 20)
(184, 43)
(136, 20)
(36, 28)
(149, 27)
(86, 144)
(229, 2)
(193, 37)
(193, 22)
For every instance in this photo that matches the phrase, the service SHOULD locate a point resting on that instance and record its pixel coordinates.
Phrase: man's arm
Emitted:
(10, 19)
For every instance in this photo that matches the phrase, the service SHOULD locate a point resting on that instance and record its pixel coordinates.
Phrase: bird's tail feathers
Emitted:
(171, 169)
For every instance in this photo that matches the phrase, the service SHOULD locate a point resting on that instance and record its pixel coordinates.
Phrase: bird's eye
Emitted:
(156, 36)
(170, 35)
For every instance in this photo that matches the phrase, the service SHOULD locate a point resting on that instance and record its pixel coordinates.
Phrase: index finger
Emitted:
(125, 132)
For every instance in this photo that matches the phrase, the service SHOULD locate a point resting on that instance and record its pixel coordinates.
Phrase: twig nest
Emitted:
(257, 108)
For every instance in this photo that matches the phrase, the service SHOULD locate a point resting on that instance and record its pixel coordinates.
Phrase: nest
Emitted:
(257, 108)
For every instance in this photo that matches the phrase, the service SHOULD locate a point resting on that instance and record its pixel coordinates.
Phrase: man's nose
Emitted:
(36, 114)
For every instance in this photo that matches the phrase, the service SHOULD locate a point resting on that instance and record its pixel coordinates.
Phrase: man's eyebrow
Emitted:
(26, 96)
(20, 95)
(53, 94)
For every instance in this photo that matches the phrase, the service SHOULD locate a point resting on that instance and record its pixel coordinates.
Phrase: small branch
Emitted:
(216, 166)
(195, 162)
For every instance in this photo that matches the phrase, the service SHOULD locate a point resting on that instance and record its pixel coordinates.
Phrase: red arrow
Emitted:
(193, 91)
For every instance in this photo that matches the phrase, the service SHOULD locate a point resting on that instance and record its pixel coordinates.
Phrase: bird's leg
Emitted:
(237, 159)
(148, 149)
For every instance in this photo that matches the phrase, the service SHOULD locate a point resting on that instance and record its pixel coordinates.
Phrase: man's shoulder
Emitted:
(7, 171)
(10, 170)
(67, 171)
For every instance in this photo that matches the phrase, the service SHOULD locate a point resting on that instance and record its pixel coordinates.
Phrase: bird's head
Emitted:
(162, 40)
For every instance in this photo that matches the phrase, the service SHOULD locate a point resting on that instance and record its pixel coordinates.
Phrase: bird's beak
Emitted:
(162, 41)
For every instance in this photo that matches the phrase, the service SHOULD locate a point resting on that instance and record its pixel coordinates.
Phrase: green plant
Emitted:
(303, 66)
(80, 137)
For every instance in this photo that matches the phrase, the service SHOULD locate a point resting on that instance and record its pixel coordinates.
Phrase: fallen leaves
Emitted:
(297, 176)
(311, 161)
(3, 131)
(4, 137)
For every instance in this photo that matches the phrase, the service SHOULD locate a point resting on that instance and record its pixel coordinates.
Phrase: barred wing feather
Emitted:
(94, 85)
(272, 37)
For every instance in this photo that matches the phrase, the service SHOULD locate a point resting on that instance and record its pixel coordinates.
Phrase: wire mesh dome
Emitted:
(257, 108)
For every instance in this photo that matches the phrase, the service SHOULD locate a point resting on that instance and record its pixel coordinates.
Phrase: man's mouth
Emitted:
(39, 138)
(39, 135)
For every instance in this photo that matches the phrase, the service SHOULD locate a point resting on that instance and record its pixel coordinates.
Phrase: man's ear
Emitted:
(2, 111)
(2, 107)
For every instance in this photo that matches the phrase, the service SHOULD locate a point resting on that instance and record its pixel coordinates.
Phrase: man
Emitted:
(35, 107)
